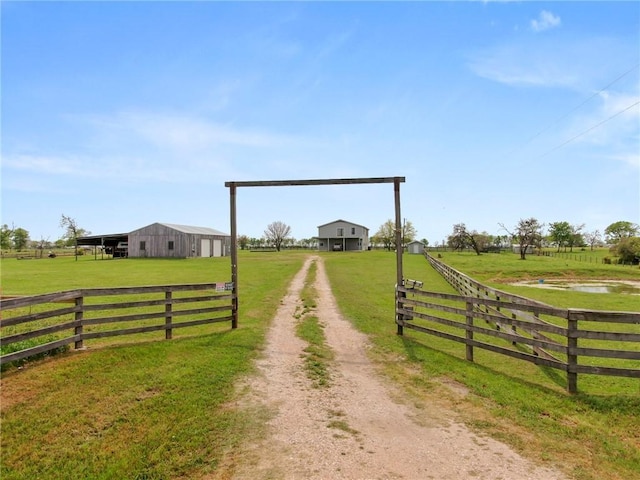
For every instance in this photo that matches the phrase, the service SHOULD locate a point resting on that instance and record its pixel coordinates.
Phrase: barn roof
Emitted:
(194, 230)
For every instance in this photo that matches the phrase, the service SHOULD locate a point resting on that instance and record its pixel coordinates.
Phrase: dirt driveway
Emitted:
(359, 427)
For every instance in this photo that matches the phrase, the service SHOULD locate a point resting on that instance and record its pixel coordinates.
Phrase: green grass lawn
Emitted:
(172, 409)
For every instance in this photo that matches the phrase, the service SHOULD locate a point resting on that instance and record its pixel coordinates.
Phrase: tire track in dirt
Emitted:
(357, 428)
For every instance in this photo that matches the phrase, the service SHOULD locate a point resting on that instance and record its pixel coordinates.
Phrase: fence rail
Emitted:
(38, 324)
(572, 340)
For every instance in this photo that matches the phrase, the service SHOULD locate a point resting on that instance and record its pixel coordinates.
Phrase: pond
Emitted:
(603, 286)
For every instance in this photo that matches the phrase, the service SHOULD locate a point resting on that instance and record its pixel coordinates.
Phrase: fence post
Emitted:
(399, 316)
(79, 315)
(168, 318)
(572, 357)
(469, 332)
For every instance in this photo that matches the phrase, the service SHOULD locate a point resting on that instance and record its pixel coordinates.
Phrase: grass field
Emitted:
(170, 409)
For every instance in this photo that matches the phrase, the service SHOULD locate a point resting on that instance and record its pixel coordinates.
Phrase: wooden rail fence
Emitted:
(572, 340)
(38, 324)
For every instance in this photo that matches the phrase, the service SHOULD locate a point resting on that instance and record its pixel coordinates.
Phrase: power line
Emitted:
(559, 119)
(589, 129)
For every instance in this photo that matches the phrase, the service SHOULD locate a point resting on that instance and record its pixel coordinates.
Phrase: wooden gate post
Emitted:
(234, 255)
(399, 248)
(289, 183)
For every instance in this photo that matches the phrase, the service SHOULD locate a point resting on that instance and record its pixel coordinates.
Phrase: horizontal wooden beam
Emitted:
(336, 181)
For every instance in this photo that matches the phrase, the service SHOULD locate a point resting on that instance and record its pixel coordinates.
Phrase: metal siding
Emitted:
(328, 233)
(157, 237)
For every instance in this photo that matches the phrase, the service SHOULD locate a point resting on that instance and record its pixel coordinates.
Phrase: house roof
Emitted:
(194, 230)
(415, 241)
(343, 221)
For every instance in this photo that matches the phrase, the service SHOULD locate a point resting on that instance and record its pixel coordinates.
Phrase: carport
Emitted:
(107, 242)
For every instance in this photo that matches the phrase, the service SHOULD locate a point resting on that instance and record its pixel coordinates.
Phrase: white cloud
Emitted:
(524, 65)
(545, 21)
(138, 147)
(583, 64)
(183, 132)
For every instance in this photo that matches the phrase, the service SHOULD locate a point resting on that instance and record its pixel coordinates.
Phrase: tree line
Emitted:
(17, 238)
(622, 237)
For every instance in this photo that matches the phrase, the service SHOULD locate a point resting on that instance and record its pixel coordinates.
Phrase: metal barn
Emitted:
(166, 240)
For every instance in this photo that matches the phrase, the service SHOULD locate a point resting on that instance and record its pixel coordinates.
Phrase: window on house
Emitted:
(353, 230)
(341, 232)
(170, 244)
(143, 245)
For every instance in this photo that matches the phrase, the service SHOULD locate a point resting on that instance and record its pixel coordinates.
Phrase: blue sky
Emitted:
(121, 114)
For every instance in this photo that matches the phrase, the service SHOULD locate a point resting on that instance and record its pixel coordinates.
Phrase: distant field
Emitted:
(170, 409)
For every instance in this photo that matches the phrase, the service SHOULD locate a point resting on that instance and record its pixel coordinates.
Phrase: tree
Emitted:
(628, 250)
(458, 240)
(527, 232)
(593, 238)
(5, 237)
(576, 239)
(560, 234)
(619, 230)
(73, 231)
(408, 232)
(20, 238)
(41, 244)
(386, 234)
(461, 238)
(566, 235)
(243, 241)
(276, 233)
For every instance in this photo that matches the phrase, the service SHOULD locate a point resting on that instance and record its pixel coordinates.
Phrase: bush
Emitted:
(628, 250)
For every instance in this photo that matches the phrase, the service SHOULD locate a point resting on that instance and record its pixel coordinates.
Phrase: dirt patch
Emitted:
(359, 427)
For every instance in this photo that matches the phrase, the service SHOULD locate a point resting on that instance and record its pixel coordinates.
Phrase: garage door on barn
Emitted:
(205, 248)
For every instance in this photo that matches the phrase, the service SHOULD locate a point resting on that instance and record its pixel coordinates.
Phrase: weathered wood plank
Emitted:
(494, 348)
(605, 316)
(32, 317)
(612, 336)
(291, 183)
(45, 347)
(609, 371)
(33, 300)
(605, 353)
(152, 328)
(19, 337)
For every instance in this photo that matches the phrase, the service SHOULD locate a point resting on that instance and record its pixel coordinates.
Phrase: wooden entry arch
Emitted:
(290, 183)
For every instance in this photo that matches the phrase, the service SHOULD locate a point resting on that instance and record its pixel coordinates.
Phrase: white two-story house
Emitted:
(340, 235)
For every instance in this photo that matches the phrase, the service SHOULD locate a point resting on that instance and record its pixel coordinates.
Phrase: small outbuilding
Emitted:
(415, 247)
(167, 240)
